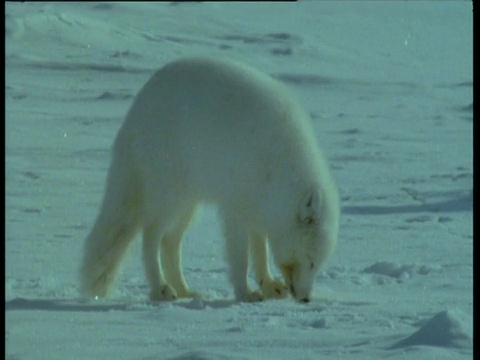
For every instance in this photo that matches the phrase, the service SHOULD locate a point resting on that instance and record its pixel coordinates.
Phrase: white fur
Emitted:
(216, 131)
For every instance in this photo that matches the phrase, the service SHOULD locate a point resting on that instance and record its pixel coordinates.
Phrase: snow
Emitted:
(389, 86)
(447, 329)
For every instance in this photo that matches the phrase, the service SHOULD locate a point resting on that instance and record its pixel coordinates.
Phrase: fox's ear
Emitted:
(309, 208)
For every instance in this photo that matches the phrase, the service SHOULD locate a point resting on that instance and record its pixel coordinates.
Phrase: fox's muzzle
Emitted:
(305, 299)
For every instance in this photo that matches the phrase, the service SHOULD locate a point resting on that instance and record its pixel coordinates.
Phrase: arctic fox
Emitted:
(218, 132)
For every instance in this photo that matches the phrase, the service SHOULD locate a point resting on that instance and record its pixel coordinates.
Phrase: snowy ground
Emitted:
(389, 86)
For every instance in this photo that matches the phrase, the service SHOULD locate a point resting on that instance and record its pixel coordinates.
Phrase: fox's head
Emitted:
(307, 241)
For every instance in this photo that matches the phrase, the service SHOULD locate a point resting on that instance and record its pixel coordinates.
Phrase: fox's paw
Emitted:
(251, 296)
(273, 288)
(189, 294)
(164, 293)
(96, 285)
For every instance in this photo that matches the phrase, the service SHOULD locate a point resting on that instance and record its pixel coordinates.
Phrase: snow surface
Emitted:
(389, 87)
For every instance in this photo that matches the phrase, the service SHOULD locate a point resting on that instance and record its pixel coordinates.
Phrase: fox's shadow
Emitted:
(80, 305)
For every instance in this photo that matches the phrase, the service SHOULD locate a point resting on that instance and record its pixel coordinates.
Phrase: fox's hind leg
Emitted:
(172, 258)
(271, 288)
(160, 290)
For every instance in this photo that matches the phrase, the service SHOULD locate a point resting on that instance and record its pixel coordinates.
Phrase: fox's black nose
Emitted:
(305, 300)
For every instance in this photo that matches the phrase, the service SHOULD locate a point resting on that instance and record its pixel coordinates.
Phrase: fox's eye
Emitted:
(311, 265)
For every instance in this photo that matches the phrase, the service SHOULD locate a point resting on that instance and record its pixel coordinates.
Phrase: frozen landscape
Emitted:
(389, 87)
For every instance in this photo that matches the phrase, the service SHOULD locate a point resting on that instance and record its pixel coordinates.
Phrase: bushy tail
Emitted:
(116, 225)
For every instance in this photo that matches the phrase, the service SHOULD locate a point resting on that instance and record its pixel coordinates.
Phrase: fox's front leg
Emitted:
(271, 288)
(237, 256)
